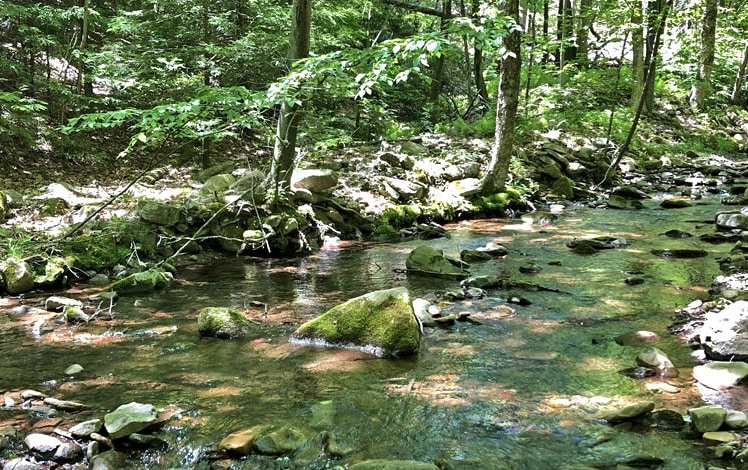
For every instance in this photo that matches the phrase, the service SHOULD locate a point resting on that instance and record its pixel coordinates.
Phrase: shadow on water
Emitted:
(523, 389)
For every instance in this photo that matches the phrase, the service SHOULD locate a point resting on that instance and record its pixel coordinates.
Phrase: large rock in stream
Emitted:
(18, 275)
(222, 322)
(380, 322)
(430, 262)
(128, 419)
(724, 334)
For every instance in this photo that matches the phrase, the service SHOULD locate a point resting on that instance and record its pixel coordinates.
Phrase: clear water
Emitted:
(524, 389)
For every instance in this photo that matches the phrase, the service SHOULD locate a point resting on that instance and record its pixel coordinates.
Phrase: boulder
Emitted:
(564, 187)
(217, 169)
(54, 273)
(240, 442)
(222, 322)
(403, 189)
(707, 418)
(18, 275)
(724, 334)
(736, 420)
(56, 303)
(430, 262)
(732, 220)
(159, 213)
(616, 201)
(109, 460)
(130, 418)
(657, 360)
(470, 256)
(465, 187)
(42, 445)
(86, 428)
(314, 180)
(380, 322)
(637, 338)
(217, 185)
(152, 279)
(629, 413)
(719, 375)
(279, 441)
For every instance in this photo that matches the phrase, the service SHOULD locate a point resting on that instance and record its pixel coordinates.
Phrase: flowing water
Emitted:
(521, 387)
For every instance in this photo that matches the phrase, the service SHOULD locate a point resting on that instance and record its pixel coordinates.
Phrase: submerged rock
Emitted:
(152, 279)
(381, 322)
(383, 464)
(629, 413)
(279, 441)
(222, 322)
(657, 360)
(719, 375)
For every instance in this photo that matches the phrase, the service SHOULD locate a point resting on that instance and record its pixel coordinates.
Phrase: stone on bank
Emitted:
(380, 322)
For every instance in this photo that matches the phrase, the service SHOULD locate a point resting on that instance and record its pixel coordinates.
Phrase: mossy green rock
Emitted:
(383, 464)
(130, 418)
(18, 276)
(54, 271)
(430, 262)
(159, 213)
(222, 323)
(149, 280)
(380, 322)
(280, 441)
(3, 206)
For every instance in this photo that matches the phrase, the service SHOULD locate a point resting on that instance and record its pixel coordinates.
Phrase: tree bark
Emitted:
(546, 38)
(438, 77)
(700, 89)
(740, 78)
(583, 33)
(654, 8)
(506, 107)
(284, 153)
(637, 50)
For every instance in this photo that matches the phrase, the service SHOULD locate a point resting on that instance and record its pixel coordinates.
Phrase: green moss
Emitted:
(401, 216)
(222, 322)
(382, 319)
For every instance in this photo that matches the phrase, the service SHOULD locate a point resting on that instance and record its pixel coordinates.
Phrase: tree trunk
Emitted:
(583, 33)
(546, 38)
(700, 89)
(438, 77)
(480, 82)
(735, 98)
(82, 49)
(637, 49)
(506, 107)
(284, 152)
(654, 7)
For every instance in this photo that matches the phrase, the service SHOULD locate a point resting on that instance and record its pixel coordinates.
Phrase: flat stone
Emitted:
(722, 437)
(129, 418)
(42, 445)
(720, 375)
(240, 442)
(86, 428)
(630, 412)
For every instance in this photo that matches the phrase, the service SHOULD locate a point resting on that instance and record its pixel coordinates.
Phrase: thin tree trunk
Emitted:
(583, 33)
(740, 78)
(438, 77)
(700, 89)
(480, 82)
(546, 38)
(650, 71)
(506, 107)
(82, 49)
(654, 8)
(637, 49)
(284, 153)
(533, 43)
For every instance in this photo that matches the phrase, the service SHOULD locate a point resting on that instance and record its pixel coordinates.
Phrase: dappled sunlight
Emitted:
(340, 360)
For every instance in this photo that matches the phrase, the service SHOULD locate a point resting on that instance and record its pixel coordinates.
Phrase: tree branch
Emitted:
(418, 8)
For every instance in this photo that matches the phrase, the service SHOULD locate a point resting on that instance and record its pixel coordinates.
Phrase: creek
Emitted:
(520, 387)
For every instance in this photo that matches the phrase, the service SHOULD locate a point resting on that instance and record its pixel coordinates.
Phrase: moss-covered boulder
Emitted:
(54, 272)
(279, 441)
(18, 275)
(159, 213)
(380, 322)
(430, 262)
(152, 279)
(222, 322)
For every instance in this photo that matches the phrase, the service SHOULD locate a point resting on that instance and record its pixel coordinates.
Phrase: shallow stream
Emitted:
(521, 387)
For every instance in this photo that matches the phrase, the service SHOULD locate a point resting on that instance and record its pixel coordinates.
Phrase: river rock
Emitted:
(707, 418)
(421, 311)
(18, 276)
(383, 464)
(279, 441)
(680, 253)
(724, 334)
(404, 190)
(73, 369)
(380, 322)
(732, 220)
(54, 273)
(109, 460)
(654, 358)
(86, 428)
(719, 375)
(65, 405)
(68, 452)
(74, 314)
(675, 203)
(129, 418)
(493, 249)
(21, 464)
(637, 338)
(736, 419)
(240, 442)
(397, 160)
(222, 322)
(314, 180)
(430, 262)
(564, 187)
(481, 282)
(616, 201)
(159, 213)
(629, 413)
(56, 303)
(42, 445)
(470, 256)
(464, 188)
(152, 279)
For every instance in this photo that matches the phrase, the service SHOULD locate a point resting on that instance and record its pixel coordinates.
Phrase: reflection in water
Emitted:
(523, 389)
